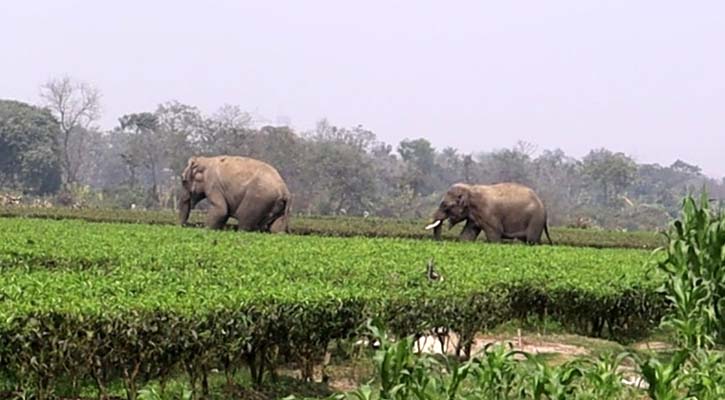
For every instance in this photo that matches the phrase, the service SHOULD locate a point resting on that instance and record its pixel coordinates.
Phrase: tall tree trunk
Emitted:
(66, 175)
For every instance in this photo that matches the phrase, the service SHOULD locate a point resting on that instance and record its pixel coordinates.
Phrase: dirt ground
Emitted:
(557, 349)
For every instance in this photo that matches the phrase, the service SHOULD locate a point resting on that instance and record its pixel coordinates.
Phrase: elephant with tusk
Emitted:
(502, 211)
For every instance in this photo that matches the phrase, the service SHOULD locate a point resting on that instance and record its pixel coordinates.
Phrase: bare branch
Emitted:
(526, 148)
(76, 105)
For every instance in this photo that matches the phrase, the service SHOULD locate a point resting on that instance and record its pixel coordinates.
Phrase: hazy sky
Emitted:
(643, 77)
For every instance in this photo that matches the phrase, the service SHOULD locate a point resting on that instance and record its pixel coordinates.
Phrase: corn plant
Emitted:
(495, 372)
(554, 383)
(705, 379)
(602, 377)
(401, 373)
(663, 378)
(695, 269)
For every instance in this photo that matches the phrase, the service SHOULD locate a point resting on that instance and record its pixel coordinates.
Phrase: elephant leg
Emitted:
(280, 225)
(492, 235)
(217, 217)
(470, 231)
(522, 236)
(250, 214)
(275, 220)
(218, 213)
(533, 236)
(534, 230)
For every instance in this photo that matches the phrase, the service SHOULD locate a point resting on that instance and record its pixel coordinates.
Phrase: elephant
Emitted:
(249, 190)
(503, 211)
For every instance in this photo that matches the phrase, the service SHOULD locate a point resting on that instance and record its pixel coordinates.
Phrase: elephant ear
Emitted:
(463, 197)
(190, 170)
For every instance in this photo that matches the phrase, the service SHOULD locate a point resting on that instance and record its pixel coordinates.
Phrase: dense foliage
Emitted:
(346, 226)
(132, 302)
(29, 158)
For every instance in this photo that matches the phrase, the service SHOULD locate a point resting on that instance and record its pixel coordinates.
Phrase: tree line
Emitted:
(55, 149)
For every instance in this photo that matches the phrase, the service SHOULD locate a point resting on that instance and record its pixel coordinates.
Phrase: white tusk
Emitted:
(433, 225)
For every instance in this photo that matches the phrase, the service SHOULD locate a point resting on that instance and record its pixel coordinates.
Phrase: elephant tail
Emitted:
(546, 230)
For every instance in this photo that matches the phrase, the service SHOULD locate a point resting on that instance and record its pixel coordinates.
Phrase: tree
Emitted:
(450, 166)
(467, 167)
(558, 182)
(184, 133)
(357, 137)
(76, 105)
(685, 168)
(342, 172)
(419, 157)
(229, 130)
(282, 148)
(419, 153)
(507, 165)
(107, 168)
(666, 186)
(609, 174)
(144, 147)
(29, 156)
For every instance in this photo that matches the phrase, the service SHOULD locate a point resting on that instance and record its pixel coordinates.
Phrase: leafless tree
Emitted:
(527, 148)
(76, 105)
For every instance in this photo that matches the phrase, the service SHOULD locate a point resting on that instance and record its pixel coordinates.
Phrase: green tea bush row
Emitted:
(102, 301)
(346, 226)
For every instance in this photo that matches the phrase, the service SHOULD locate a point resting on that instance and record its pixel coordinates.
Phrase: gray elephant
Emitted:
(502, 211)
(249, 190)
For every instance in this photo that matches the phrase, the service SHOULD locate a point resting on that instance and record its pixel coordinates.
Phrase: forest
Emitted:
(54, 152)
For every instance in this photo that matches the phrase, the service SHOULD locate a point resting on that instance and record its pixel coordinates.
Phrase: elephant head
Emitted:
(192, 182)
(454, 207)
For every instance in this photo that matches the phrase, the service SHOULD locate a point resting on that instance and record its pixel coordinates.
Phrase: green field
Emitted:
(348, 226)
(75, 294)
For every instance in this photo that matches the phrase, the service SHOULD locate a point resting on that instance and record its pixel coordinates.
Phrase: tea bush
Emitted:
(345, 226)
(130, 302)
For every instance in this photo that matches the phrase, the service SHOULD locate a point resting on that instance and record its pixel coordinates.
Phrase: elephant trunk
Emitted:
(437, 232)
(184, 207)
(437, 224)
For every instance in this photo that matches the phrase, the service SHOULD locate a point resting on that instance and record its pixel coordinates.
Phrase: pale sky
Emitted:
(643, 77)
